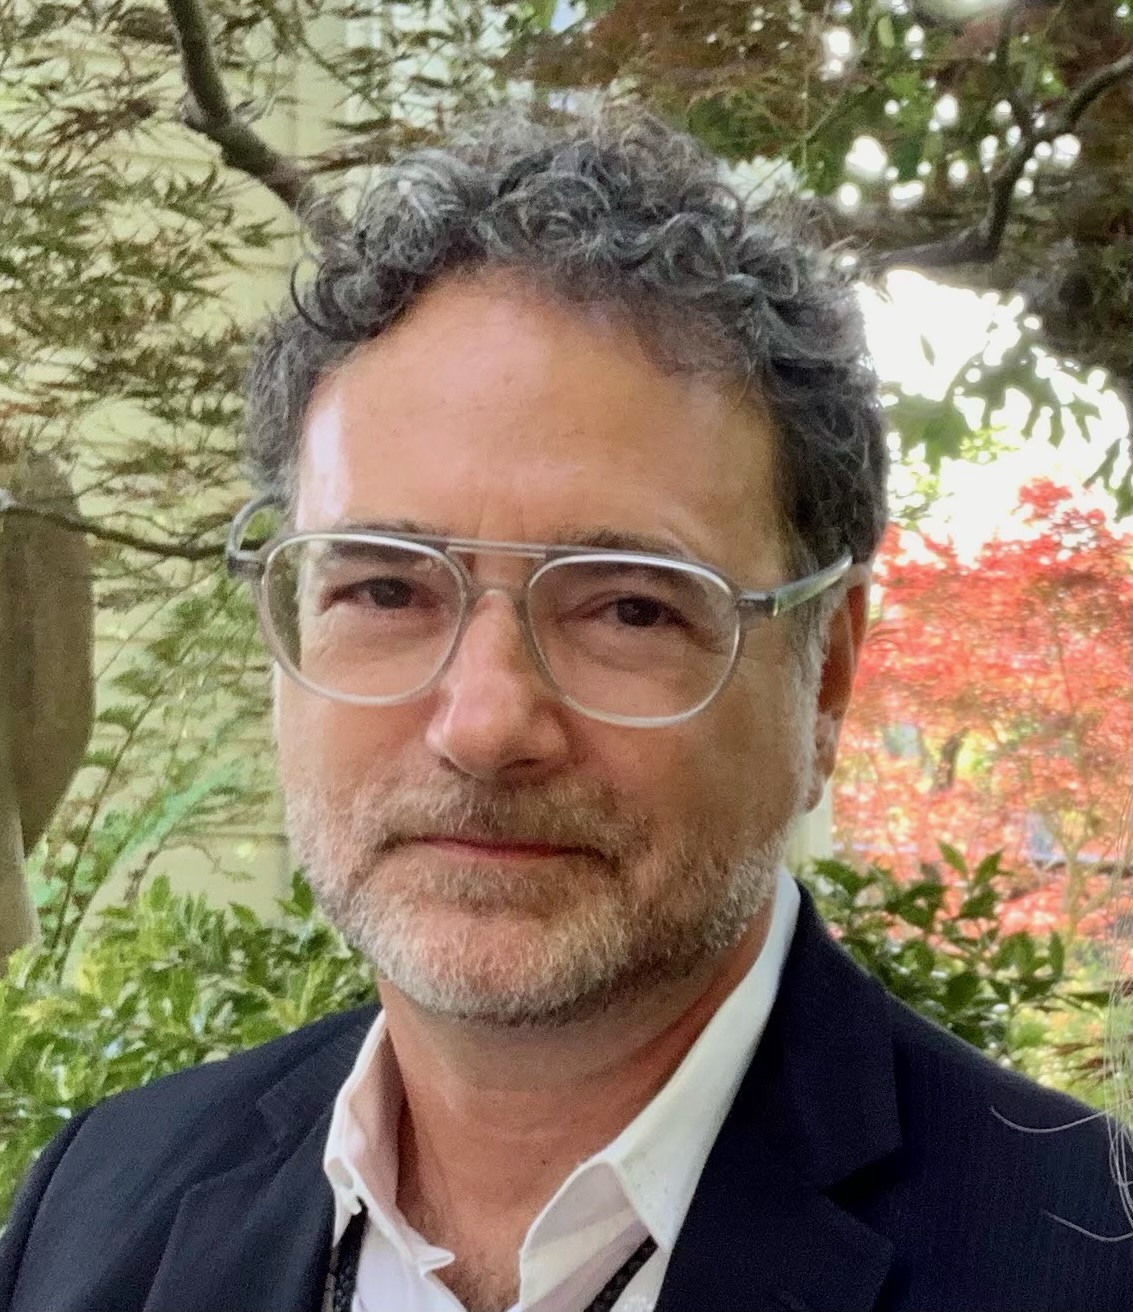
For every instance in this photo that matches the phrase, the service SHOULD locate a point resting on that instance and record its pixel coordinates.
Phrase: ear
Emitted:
(844, 638)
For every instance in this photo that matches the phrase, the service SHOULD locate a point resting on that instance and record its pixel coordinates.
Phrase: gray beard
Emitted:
(626, 921)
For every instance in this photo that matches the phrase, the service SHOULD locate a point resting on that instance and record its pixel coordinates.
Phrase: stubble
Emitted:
(616, 915)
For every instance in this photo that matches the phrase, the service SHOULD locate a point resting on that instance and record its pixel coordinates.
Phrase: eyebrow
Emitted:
(595, 539)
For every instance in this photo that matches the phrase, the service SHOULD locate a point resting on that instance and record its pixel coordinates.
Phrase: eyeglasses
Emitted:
(626, 637)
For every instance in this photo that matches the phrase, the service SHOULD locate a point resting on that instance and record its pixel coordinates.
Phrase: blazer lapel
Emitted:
(767, 1231)
(258, 1237)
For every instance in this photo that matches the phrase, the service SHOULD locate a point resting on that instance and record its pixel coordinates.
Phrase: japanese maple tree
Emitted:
(992, 709)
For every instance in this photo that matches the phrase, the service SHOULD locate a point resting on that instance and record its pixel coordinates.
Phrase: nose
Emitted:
(494, 716)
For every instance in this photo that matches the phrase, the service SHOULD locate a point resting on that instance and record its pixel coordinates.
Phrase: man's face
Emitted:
(496, 854)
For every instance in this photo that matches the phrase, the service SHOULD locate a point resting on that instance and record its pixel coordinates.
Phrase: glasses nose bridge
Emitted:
(517, 596)
(476, 589)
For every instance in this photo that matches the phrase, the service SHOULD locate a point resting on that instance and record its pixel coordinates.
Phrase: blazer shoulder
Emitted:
(1043, 1158)
(926, 1054)
(188, 1101)
(106, 1190)
(210, 1113)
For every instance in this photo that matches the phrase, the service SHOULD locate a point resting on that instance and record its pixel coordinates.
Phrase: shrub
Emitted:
(936, 944)
(157, 985)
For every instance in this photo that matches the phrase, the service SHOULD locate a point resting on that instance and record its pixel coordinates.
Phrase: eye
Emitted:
(387, 593)
(381, 594)
(640, 612)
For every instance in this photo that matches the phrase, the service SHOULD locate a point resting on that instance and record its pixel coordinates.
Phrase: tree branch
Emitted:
(979, 243)
(1098, 81)
(207, 110)
(78, 524)
(1019, 107)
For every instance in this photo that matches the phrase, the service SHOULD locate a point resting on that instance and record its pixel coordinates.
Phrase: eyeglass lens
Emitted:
(378, 621)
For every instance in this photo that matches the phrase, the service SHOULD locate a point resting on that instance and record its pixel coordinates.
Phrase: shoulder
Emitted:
(91, 1223)
(186, 1103)
(994, 1192)
(1003, 1182)
(166, 1135)
(946, 1085)
(951, 1101)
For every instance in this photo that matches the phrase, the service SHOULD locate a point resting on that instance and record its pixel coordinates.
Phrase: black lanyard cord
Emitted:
(350, 1248)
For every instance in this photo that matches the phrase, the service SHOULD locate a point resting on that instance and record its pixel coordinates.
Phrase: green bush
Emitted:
(159, 984)
(936, 944)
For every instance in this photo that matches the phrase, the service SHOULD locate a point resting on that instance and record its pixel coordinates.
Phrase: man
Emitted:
(580, 473)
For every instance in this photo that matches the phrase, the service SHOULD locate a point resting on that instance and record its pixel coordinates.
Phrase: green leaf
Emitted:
(542, 11)
(302, 901)
(980, 906)
(989, 866)
(1056, 955)
(244, 916)
(961, 990)
(844, 876)
(919, 905)
(943, 435)
(1017, 952)
(907, 152)
(953, 858)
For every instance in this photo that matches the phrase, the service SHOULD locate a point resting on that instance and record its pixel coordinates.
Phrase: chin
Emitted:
(496, 968)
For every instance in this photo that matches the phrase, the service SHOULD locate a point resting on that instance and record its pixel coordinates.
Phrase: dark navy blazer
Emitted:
(869, 1163)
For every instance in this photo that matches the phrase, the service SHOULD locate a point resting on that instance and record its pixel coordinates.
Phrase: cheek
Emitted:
(753, 761)
(334, 742)
(680, 780)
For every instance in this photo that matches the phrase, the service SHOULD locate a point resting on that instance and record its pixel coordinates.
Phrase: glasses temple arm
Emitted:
(790, 595)
(245, 562)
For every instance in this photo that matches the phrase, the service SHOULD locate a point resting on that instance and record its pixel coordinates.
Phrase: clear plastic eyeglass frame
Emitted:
(250, 564)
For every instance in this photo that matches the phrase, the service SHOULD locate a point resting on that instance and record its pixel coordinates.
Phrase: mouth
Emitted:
(496, 849)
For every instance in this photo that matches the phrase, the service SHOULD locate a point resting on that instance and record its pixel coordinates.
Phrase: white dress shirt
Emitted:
(641, 1183)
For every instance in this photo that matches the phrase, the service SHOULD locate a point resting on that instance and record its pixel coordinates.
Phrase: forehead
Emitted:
(492, 410)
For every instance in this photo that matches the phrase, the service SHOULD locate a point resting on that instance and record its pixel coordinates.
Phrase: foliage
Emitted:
(160, 984)
(937, 945)
(1079, 1049)
(926, 143)
(992, 704)
(154, 778)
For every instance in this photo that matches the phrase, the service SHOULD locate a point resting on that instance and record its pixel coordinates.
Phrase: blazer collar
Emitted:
(258, 1237)
(817, 1106)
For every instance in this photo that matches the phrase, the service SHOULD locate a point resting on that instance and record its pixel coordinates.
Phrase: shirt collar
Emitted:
(658, 1158)
(651, 1167)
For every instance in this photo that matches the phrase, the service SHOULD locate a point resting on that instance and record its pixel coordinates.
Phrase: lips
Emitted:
(500, 847)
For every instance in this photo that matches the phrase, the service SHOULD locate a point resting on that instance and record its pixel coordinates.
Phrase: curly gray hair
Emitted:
(621, 211)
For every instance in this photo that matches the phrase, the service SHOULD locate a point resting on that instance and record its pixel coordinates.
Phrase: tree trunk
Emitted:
(46, 678)
(17, 916)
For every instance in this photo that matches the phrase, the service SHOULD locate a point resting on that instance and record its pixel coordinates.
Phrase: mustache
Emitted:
(387, 815)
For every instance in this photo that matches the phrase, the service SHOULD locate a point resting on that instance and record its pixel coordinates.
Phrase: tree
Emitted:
(992, 708)
(993, 148)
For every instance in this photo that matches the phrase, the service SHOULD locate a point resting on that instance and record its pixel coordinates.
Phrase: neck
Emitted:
(495, 1119)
